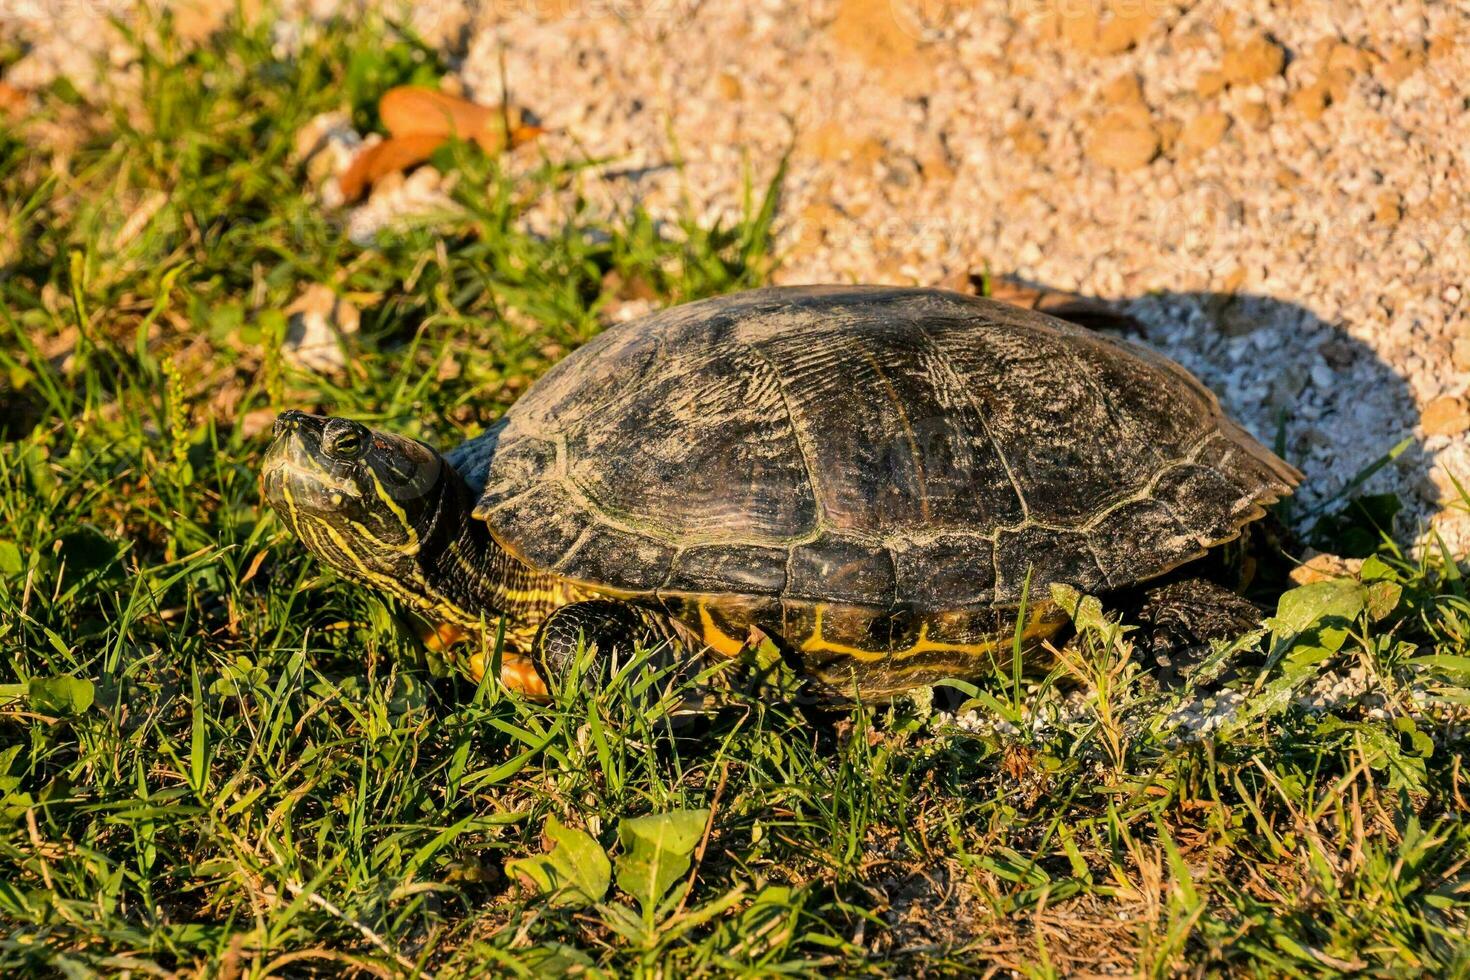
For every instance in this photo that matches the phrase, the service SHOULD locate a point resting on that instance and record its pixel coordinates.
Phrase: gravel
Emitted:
(1277, 191)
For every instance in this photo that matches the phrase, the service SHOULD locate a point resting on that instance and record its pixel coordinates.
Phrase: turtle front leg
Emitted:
(616, 629)
(517, 671)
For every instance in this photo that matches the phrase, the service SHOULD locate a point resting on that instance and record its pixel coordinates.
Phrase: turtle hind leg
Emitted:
(615, 629)
(1178, 620)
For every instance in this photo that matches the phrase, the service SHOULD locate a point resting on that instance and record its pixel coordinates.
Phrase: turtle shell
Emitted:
(870, 446)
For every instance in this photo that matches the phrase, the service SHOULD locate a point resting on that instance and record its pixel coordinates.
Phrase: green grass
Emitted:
(217, 757)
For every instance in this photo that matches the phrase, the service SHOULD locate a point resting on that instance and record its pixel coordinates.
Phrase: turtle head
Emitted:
(361, 499)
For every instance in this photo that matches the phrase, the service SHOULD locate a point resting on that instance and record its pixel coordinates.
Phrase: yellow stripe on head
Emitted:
(412, 547)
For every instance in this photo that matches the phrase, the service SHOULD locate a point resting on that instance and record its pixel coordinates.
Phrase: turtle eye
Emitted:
(346, 442)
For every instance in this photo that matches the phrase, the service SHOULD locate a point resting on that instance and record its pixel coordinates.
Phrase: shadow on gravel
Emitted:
(1323, 399)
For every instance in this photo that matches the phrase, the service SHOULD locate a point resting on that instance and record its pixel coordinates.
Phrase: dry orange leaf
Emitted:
(375, 162)
(413, 109)
(419, 120)
(254, 567)
(13, 102)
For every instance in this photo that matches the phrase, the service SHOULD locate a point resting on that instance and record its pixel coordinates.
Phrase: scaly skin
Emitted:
(391, 513)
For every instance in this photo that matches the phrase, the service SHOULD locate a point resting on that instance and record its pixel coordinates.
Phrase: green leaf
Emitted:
(1375, 569)
(1316, 618)
(1382, 599)
(10, 561)
(1085, 610)
(991, 703)
(57, 643)
(60, 695)
(1449, 663)
(1419, 743)
(1384, 753)
(656, 853)
(198, 736)
(575, 871)
(554, 959)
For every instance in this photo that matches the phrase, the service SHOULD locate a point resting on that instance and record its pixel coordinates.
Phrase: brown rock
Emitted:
(1254, 61)
(963, 281)
(1460, 353)
(418, 110)
(1119, 141)
(1123, 90)
(816, 221)
(1085, 311)
(1169, 131)
(633, 287)
(1077, 26)
(1138, 113)
(1233, 280)
(1026, 139)
(935, 164)
(1348, 58)
(834, 142)
(1225, 25)
(1254, 114)
(1322, 50)
(1209, 83)
(1442, 45)
(1017, 292)
(1128, 25)
(1204, 131)
(1390, 208)
(1340, 83)
(1445, 416)
(375, 163)
(1312, 100)
(730, 88)
(870, 30)
(1114, 37)
(1402, 62)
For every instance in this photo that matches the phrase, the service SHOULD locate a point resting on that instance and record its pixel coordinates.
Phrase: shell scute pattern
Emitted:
(949, 569)
(747, 569)
(1029, 557)
(712, 453)
(1139, 530)
(896, 447)
(887, 448)
(629, 561)
(840, 569)
(560, 519)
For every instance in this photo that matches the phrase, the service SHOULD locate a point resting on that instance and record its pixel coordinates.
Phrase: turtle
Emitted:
(884, 482)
